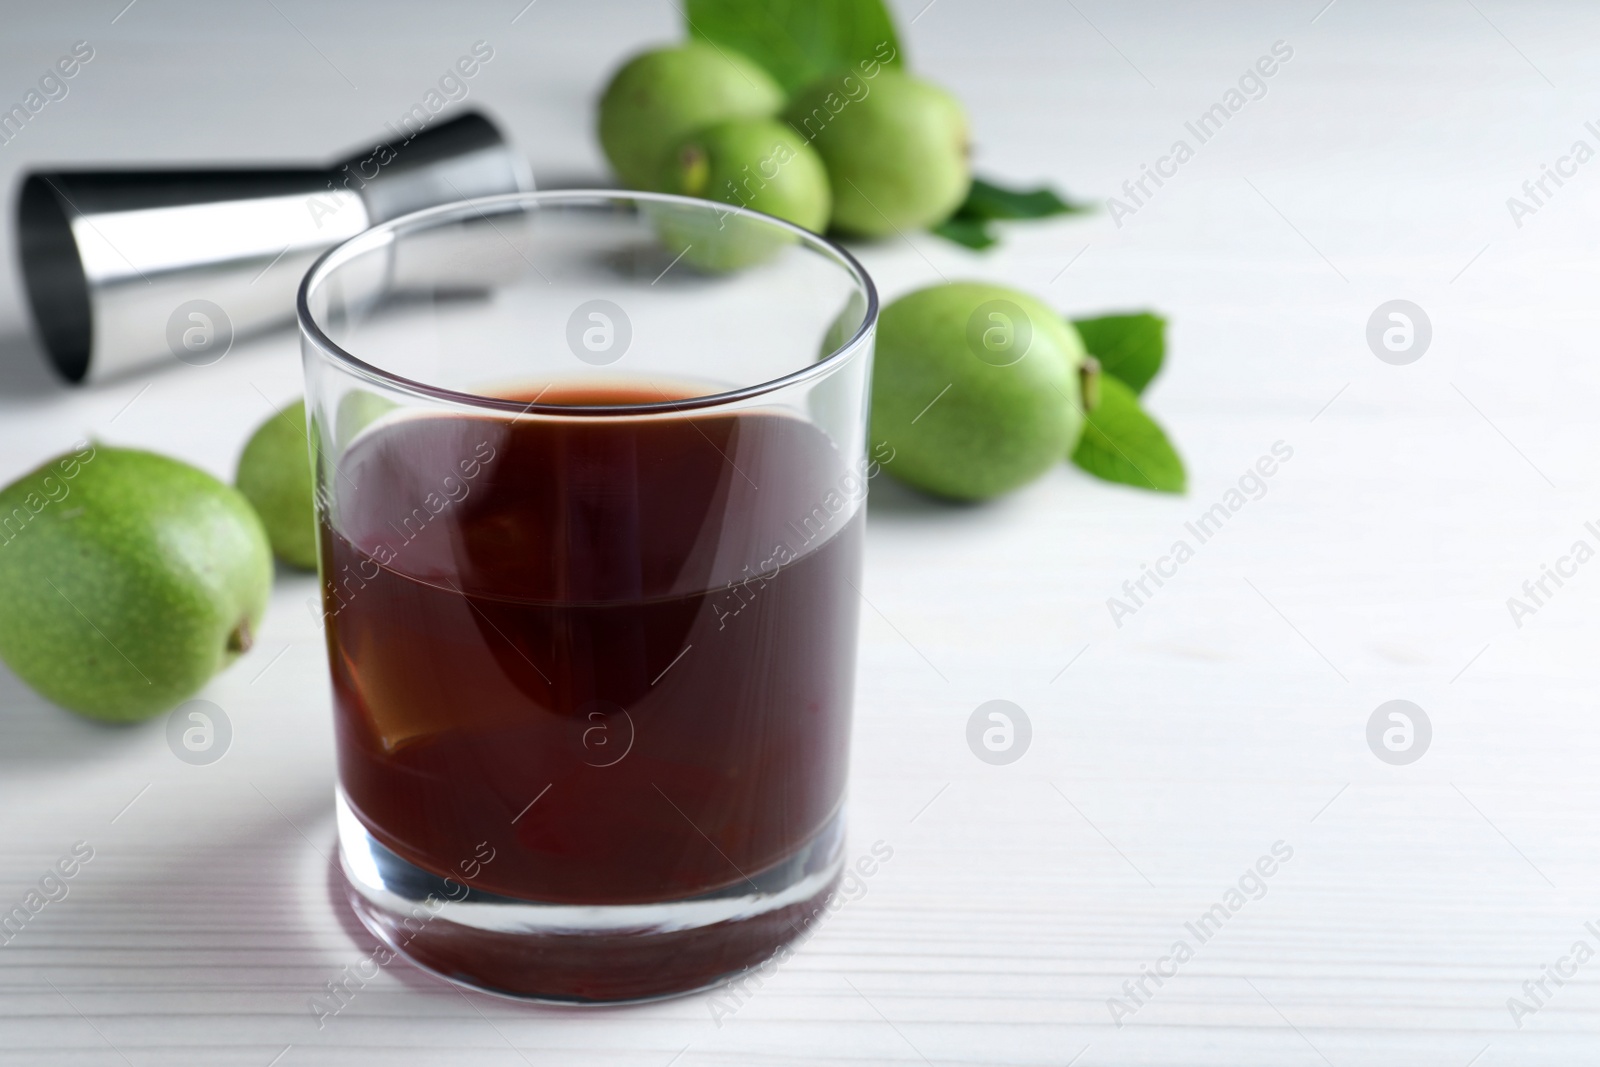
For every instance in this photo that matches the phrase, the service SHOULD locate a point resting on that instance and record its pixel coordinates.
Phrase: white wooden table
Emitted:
(1227, 714)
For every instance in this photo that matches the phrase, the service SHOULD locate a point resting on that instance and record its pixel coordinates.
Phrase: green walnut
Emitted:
(759, 164)
(660, 97)
(129, 579)
(275, 476)
(895, 148)
(755, 164)
(975, 388)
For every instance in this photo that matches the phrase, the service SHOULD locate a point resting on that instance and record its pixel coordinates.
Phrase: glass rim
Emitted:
(374, 237)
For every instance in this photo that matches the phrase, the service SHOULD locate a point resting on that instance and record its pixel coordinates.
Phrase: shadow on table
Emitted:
(365, 943)
(38, 733)
(23, 370)
(896, 500)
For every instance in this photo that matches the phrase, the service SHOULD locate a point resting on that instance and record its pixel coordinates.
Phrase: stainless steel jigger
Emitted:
(125, 269)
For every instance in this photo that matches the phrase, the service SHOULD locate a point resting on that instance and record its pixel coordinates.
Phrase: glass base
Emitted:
(575, 954)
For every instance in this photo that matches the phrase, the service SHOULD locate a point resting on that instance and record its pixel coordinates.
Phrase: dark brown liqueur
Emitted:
(644, 628)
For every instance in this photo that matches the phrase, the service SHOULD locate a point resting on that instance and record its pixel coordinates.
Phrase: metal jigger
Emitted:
(125, 269)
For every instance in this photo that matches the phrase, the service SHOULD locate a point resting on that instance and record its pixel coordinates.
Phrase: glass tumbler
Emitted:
(590, 473)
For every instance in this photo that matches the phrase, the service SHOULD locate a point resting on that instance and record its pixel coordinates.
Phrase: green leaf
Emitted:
(1129, 347)
(974, 233)
(986, 200)
(798, 41)
(1120, 443)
